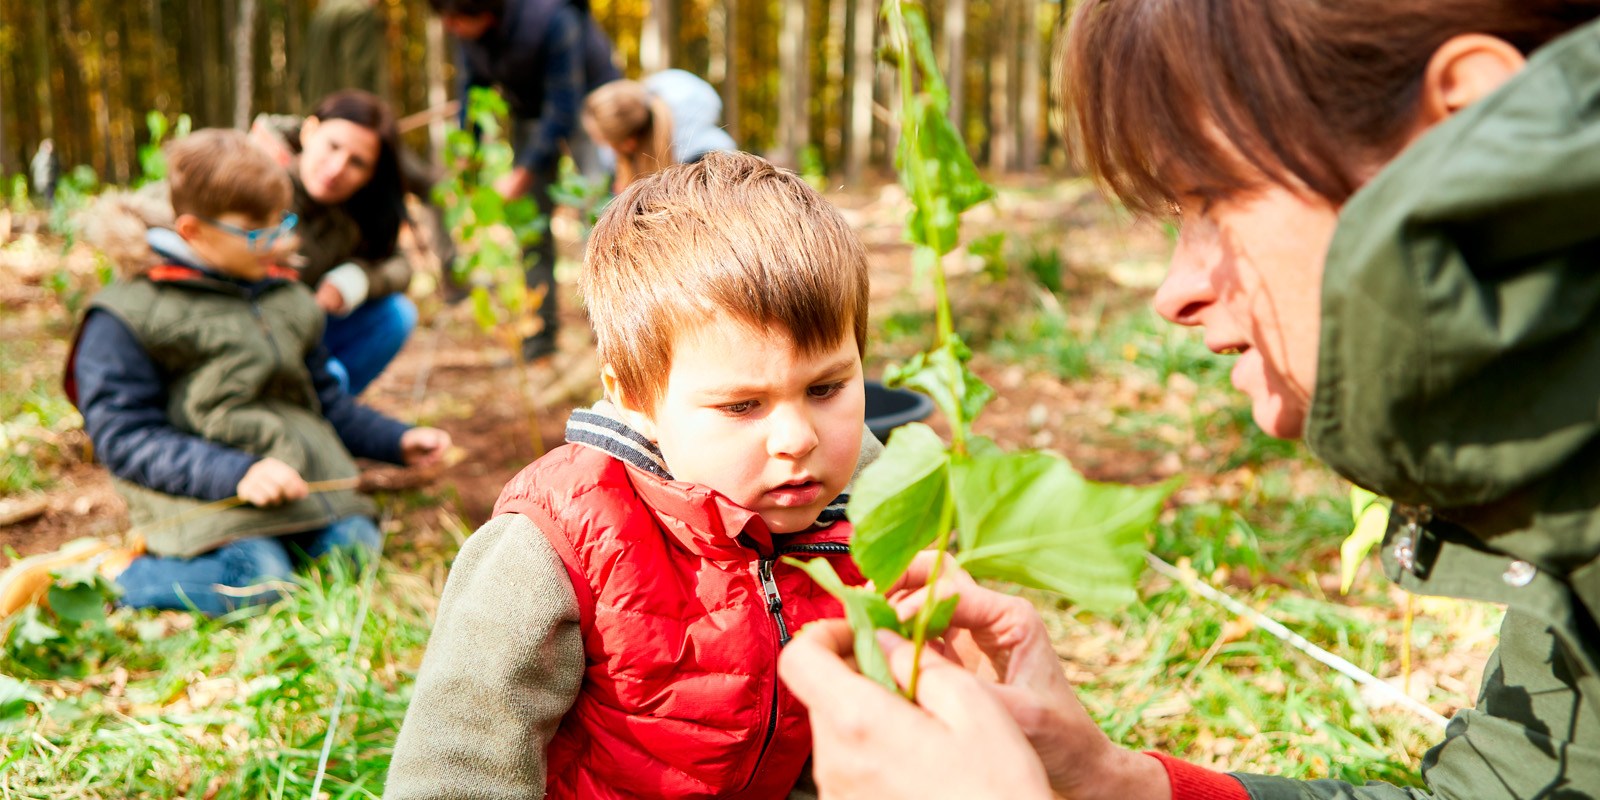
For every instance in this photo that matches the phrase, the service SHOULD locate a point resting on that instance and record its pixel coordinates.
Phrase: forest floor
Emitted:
(163, 704)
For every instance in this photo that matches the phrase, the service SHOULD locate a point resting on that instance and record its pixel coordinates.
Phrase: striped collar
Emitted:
(602, 428)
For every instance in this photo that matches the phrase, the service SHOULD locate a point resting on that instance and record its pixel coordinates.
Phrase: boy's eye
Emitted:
(737, 409)
(825, 390)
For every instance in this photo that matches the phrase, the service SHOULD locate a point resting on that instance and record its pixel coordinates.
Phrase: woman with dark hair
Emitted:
(1388, 212)
(349, 195)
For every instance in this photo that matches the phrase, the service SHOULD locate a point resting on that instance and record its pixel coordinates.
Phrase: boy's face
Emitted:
(747, 414)
(224, 244)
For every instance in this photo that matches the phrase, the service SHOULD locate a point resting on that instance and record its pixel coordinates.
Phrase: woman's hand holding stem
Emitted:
(1000, 658)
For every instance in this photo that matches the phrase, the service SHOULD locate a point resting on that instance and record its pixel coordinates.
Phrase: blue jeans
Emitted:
(363, 342)
(221, 580)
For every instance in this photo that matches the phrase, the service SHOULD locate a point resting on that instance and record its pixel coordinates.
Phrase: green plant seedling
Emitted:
(1025, 517)
(494, 234)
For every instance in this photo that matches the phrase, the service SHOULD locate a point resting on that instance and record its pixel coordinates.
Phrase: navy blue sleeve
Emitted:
(563, 90)
(124, 403)
(365, 432)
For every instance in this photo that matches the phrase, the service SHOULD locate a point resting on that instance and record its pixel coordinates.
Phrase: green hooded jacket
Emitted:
(1459, 373)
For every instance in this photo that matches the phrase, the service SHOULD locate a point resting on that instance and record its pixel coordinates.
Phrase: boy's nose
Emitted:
(790, 433)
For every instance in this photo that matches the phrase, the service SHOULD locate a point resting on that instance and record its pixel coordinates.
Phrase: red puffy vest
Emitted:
(684, 608)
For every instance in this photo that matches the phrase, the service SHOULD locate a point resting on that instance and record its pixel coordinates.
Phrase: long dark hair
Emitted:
(378, 207)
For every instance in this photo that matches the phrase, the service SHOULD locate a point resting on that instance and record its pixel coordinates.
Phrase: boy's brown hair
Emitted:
(728, 235)
(214, 171)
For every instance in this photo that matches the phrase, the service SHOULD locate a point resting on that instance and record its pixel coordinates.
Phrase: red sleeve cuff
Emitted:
(1190, 782)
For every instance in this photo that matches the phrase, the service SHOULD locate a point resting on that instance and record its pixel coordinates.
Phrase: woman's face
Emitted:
(337, 158)
(1248, 270)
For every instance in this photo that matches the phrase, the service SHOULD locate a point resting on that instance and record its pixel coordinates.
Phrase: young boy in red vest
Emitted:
(613, 632)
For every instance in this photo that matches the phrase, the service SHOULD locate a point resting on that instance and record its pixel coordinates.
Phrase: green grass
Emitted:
(146, 704)
(33, 415)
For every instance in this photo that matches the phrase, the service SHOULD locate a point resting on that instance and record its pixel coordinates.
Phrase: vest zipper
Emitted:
(769, 587)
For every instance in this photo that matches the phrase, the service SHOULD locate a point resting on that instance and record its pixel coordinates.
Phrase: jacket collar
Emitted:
(184, 265)
(705, 521)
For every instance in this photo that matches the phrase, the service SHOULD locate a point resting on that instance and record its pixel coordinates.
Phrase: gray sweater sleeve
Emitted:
(504, 663)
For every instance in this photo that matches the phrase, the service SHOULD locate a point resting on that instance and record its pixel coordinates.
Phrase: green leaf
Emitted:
(865, 610)
(990, 249)
(157, 124)
(482, 310)
(1371, 514)
(922, 46)
(15, 696)
(1032, 519)
(488, 208)
(934, 164)
(942, 374)
(896, 503)
(31, 630)
(80, 603)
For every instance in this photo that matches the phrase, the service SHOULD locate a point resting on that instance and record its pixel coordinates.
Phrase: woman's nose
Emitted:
(791, 433)
(1187, 289)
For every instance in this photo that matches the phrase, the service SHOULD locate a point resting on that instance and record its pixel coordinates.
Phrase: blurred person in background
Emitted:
(544, 56)
(671, 117)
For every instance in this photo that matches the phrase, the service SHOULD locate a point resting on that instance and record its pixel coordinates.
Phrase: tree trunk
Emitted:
(1002, 133)
(1031, 89)
(863, 35)
(730, 71)
(438, 94)
(831, 97)
(659, 35)
(791, 138)
(74, 104)
(244, 63)
(955, 62)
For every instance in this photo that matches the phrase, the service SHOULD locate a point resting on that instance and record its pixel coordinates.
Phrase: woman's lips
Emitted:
(794, 495)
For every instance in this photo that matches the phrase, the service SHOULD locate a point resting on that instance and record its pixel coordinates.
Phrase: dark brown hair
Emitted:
(728, 237)
(216, 171)
(1215, 96)
(380, 206)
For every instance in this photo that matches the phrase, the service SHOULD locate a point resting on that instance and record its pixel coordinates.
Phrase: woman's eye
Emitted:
(825, 390)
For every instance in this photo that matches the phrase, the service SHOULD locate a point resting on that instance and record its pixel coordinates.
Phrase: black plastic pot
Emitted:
(888, 409)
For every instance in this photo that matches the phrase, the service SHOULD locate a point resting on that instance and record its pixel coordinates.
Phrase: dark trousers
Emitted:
(541, 257)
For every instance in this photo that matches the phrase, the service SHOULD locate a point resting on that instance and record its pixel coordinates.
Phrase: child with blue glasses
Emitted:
(202, 378)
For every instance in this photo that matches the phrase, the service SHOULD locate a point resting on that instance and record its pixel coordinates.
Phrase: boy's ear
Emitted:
(636, 418)
(187, 226)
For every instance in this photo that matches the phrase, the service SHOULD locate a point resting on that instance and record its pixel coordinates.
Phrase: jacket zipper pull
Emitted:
(1405, 546)
(769, 586)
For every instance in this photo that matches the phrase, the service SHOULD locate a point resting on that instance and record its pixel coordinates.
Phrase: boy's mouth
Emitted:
(795, 494)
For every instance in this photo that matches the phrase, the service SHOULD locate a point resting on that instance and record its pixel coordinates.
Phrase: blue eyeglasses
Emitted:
(260, 238)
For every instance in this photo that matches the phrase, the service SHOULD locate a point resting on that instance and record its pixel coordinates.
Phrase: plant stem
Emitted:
(919, 630)
(915, 166)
